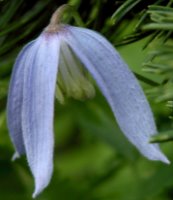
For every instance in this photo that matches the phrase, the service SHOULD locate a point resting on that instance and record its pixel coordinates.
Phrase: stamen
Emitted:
(59, 95)
(72, 76)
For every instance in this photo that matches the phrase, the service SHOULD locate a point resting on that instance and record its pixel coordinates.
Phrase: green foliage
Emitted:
(93, 160)
(154, 23)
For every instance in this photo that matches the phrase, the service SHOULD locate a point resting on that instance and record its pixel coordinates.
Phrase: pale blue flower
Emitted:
(65, 50)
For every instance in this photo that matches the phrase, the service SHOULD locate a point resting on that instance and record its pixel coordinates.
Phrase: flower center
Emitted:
(73, 79)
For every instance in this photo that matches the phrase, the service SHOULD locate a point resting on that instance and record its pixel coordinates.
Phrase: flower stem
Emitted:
(57, 15)
(55, 20)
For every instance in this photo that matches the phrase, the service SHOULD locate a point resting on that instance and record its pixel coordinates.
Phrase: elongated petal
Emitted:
(119, 86)
(38, 108)
(15, 98)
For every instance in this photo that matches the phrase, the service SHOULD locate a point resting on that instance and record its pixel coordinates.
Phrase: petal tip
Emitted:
(38, 189)
(41, 182)
(159, 156)
(15, 156)
(164, 160)
(35, 194)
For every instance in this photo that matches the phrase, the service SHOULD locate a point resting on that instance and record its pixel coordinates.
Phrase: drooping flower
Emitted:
(61, 55)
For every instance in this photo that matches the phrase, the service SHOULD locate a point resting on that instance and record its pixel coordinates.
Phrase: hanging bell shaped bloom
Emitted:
(61, 55)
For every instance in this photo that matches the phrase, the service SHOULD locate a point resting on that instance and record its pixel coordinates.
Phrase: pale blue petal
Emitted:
(119, 86)
(38, 109)
(15, 98)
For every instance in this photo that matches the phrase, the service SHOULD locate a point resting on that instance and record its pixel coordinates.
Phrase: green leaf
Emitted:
(124, 9)
(165, 136)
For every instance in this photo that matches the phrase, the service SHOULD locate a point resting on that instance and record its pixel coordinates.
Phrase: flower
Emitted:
(68, 51)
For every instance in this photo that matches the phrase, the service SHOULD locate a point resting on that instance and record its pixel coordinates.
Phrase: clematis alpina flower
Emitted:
(61, 55)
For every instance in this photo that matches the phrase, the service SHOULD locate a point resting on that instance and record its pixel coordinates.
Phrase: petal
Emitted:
(119, 86)
(15, 98)
(38, 108)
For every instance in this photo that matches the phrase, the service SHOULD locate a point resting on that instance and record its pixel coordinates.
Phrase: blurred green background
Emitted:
(93, 160)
